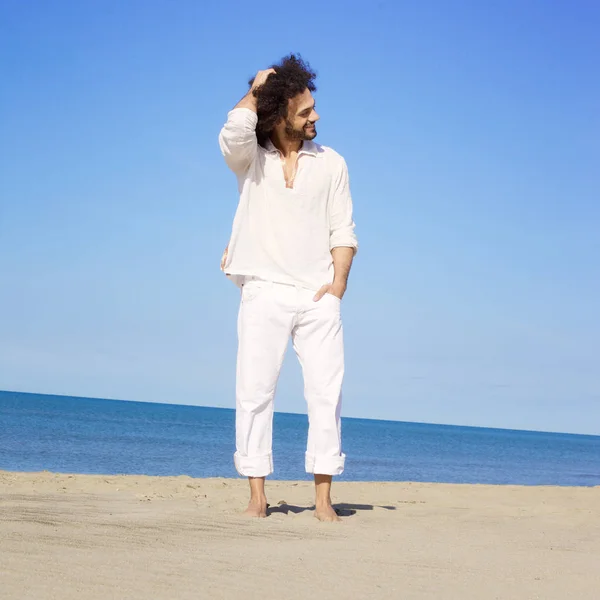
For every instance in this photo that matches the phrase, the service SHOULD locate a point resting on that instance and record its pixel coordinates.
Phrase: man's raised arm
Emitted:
(238, 136)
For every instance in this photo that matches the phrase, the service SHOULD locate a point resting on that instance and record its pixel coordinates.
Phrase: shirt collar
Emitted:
(308, 147)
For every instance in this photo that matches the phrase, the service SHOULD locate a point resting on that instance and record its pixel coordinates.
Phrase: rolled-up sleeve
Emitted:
(341, 223)
(238, 139)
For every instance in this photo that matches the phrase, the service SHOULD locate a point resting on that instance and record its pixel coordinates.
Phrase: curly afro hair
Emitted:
(292, 76)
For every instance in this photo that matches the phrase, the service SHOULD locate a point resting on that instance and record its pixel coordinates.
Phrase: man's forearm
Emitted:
(342, 262)
(248, 101)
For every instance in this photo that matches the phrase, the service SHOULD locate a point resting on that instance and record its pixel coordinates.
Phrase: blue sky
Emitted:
(472, 136)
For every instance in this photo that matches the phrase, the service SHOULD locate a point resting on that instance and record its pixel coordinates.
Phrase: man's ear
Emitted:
(292, 107)
(279, 124)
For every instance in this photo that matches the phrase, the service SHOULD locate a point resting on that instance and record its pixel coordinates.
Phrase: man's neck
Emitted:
(285, 146)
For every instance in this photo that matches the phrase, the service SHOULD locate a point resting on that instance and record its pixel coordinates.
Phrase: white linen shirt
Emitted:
(285, 234)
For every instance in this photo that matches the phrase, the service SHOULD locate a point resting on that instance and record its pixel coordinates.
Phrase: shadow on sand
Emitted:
(342, 509)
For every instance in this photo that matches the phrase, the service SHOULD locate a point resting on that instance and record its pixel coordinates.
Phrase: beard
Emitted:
(304, 134)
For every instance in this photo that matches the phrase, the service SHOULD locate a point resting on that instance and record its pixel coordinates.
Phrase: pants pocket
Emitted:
(252, 289)
(335, 301)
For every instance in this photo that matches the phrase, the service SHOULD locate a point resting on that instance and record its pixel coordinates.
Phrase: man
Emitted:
(290, 251)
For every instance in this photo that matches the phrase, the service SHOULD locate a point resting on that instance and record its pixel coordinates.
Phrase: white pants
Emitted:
(269, 314)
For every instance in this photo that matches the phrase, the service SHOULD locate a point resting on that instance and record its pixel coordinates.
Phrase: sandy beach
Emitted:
(97, 537)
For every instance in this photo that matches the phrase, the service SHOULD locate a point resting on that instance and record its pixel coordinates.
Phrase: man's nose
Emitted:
(314, 117)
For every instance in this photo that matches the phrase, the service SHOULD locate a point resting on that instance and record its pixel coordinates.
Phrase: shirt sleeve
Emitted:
(341, 223)
(238, 139)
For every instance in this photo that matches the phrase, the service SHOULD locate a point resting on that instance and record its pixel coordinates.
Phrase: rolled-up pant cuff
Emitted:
(324, 465)
(253, 466)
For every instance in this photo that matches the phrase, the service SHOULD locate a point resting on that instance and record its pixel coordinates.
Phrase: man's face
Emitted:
(302, 116)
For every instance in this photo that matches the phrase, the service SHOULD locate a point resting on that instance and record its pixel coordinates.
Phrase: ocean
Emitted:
(83, 435)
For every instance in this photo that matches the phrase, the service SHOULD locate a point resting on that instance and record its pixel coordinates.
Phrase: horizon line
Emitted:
(301, 414)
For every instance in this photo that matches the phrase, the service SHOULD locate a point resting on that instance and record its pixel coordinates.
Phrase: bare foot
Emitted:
(326, 513)
(257, 508)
